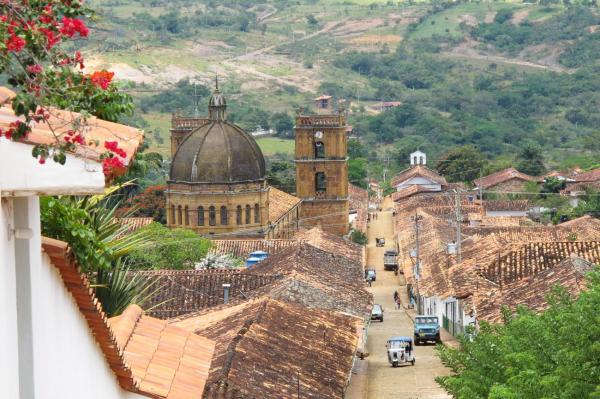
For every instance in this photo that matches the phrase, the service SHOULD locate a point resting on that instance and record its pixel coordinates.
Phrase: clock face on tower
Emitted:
(319, 134)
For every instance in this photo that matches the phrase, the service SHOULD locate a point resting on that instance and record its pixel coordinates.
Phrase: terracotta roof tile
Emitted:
(506, 205)
(135, 223)
(589, 176)
(280, 203)
(332, 243)
(502, 176)
(418, 170)
(409, 192)
(264, 345)
(242, 248)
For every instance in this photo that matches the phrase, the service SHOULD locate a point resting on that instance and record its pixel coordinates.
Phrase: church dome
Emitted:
(218, 152)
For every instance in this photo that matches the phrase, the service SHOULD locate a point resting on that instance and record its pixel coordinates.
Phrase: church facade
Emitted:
(217, 183)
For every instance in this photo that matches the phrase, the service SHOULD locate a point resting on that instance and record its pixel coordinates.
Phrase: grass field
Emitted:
(274, 145)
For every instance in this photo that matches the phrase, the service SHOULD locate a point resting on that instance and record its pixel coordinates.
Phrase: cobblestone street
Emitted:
(410, 382)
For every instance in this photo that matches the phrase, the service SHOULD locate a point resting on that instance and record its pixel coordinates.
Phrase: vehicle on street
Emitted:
(370, 274)
(400, 350)
(390, 261)
(427, 328)
(380, 241)
(377, 313)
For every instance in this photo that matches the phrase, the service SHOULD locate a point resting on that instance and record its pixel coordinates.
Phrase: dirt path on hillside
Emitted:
(467, 50)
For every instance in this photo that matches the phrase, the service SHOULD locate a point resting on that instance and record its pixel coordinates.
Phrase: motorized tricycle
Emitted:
(400, 350)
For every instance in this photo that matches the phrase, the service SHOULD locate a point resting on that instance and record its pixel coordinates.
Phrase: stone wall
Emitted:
(330, 215)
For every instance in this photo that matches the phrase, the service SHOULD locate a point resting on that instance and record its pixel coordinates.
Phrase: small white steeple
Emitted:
(418, 158)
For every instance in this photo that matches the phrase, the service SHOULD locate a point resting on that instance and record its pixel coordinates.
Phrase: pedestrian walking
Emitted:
(397, 303)
(396, 296)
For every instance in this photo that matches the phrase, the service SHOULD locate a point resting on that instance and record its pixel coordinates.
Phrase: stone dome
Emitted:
(218, 152)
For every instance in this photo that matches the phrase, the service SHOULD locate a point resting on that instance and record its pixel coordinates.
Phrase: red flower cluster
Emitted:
(113, 147)
(37, 68)
(74, 137)
(110, 164)
(70, 26)
(16, 128)
(15, 43)
(102, 79)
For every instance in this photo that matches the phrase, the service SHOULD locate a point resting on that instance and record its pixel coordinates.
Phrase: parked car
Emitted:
(427, 328)
(370, 274)
(390, 261)
(400, 350)
(380, 241)
(377, 313)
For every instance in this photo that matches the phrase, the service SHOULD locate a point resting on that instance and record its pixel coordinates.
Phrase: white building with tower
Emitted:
(417, 178)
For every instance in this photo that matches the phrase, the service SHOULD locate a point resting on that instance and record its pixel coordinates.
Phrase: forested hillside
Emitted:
(500, 76)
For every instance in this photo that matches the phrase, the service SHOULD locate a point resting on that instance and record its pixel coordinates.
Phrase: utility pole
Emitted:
(458, 225)
(417, 218)
(481, 189)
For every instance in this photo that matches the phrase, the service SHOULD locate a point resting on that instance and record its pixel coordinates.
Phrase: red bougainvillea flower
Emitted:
(70, 26)
(34, 68)
(102, 79)
(110, 164)
(79, 60)
(113, 147)
(52, 38)
(15, 43)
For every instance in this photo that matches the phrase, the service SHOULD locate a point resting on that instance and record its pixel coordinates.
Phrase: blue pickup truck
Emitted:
(427, 328)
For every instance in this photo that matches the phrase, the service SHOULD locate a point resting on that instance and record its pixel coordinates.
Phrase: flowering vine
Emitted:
(48, 77)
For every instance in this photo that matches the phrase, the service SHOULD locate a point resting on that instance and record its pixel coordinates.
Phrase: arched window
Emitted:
(187, 216)
(179, 215)
(238, 215)
(200, 216)
(415, 160)
(212, 216)
(320, 182)
(319, 149)
(224, 220)
(248, 214)
(256, 213)
(172, 214)
(421, 160)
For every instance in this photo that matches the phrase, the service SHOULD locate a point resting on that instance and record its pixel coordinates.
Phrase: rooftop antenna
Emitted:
(217, 82)
(196, 101)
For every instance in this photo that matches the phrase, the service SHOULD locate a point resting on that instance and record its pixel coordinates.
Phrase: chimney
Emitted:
(226, 293)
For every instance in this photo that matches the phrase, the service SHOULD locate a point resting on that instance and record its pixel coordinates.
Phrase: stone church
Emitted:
(217, 184)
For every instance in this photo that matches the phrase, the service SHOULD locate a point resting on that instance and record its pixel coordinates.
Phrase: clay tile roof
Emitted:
(267, 348)
(409, 192)
(506, 205)
(187, 291)
(280, 203)
(6, 95)
(60, 121)
(332, 243)
(242, 248)
(589, 176)
(147, 356)
(531, 291)
(418, 170)
(166, 361)
(135, 223)
(502, 176)
(79, 286)
(582, 187)
(323, 97)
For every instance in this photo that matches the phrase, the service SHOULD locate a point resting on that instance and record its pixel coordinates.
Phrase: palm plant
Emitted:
(118, 288)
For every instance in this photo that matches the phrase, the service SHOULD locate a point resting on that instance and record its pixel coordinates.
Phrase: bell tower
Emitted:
(322, 170)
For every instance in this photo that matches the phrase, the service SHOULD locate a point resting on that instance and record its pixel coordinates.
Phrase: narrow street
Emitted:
(410, 382)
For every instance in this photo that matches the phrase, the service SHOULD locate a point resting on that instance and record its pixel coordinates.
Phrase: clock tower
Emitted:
(322, 167)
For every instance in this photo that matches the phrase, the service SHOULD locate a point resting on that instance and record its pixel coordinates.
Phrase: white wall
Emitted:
(68, 361)
(421, 181)
(22, 174)
(46, 347)
(9, 354)
(506, 213)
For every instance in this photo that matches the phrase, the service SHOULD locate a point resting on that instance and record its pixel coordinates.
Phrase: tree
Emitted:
(149, 203)
(553, 185)
(356, 149)
(283, 124)
(461, 164)
(531, 160)
(357, 172)
(312, 21)
(554, 354)
(358, 237)
(48, 76)
(171, 249)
